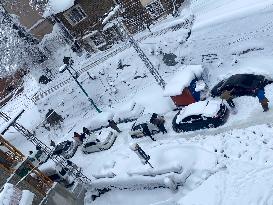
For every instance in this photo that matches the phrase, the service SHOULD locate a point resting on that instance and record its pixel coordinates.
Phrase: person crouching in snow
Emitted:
(262, 99)
(113, 125)
(227, 95)
(146, 131)
(86, 131)
(159, 122)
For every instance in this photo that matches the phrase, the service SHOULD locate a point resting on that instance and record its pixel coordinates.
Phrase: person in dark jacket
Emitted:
(113, 125)
(262, 99)
(146, 131)
(159, 122)
(86, 131)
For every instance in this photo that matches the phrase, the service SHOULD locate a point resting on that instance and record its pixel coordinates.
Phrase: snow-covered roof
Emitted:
(182, 79)
(57, 6)
(205, 108)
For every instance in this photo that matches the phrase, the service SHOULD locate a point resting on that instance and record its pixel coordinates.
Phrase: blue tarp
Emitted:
(196, 95)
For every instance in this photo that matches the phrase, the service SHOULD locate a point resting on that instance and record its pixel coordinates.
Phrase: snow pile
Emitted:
(6, 194)
(182, 79)
(27, 198)
(57, 6)
(205, 108)
(9, 195)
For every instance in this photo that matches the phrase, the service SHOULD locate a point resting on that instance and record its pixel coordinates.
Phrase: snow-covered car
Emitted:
(66, 148)
(242, 84)
(99, 142)
(137, 130)
(200, 115)
(129, 113)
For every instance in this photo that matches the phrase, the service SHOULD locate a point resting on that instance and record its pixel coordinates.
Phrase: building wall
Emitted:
(28, 17)
(94, 10)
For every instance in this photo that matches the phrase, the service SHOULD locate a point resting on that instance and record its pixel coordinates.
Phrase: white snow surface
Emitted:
(231, 164)
(182, 79)
(57, 6)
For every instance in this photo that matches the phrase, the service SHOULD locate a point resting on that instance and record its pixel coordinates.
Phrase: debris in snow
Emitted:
(53, 118)
(169, 59)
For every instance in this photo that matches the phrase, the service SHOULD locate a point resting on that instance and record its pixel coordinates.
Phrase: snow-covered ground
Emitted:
(231, 164)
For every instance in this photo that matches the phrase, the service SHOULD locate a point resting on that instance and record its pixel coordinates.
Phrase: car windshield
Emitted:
(90, 144)
(137, 127)
(192, 118)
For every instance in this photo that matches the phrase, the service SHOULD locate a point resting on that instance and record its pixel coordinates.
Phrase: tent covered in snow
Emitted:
(186, 85)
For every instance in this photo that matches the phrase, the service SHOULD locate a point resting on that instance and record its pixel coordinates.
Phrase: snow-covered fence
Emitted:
(75, 171)
(170, 181)
(186, 24)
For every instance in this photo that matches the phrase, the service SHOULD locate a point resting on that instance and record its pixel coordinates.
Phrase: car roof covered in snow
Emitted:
(182, 79)
(101, 135)
(205, 108)
(143, 119)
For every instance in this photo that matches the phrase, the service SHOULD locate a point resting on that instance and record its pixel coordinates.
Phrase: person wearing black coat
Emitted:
(113, 125)
(146, 131)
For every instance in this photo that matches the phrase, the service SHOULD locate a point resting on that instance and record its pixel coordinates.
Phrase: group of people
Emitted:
(80, 137)
(259, 92)
(158, 121)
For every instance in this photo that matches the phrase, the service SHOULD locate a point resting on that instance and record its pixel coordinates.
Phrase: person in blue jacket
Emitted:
(262, 99)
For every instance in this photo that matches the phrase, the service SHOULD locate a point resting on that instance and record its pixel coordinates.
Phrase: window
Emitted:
(75, 15)
(155, 9)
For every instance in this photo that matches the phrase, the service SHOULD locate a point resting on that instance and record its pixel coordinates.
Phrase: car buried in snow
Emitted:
(137, 128)
(241, 84)
(66, 148)
(103, 140)
(200, 115)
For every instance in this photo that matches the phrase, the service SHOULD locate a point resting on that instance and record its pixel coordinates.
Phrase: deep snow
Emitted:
(228, 165)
